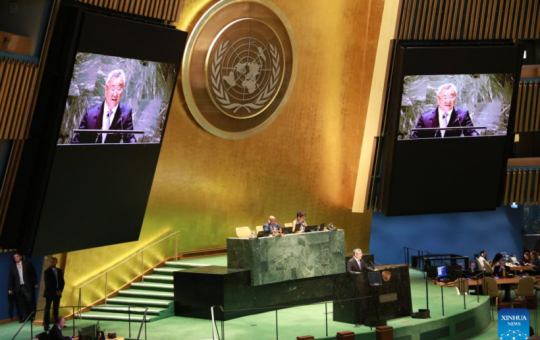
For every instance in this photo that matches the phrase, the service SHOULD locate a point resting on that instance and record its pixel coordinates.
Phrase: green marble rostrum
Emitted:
(288, 257)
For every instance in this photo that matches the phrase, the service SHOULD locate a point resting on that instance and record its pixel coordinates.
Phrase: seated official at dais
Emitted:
(299, 224)
(272, 227)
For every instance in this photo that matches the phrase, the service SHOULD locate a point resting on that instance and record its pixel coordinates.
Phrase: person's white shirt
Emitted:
(481, 261)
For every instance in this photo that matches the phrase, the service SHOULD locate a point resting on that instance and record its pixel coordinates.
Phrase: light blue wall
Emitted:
(463, 234)
(7, 305)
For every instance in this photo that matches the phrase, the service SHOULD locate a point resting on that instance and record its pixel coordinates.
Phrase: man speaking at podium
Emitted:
(445, 115)
(356, 265)
(111, 114)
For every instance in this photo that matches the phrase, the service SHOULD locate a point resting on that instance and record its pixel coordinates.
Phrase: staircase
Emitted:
(155, 292)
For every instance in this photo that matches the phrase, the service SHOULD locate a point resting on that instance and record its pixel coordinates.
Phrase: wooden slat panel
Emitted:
(10, 99)
(525, 19)
(518, 109)
(536, 176)
(511, 18)
(522, 107)
(445, 17)
(513, 187)
(458, 20)
(528, 198)
(16, 100)
(492, 19)
(476, 22)
(536, 106)
(481, 28)
(429, 18)
(518, 24)
(28, 86)
(505, 201)
(537, 33)
(517, 198)
(176, 10)
(26, 117)
(525, 107)
(522, 188)
(468, 19)
(404, 18)
(5, 87)
(421, 22)
(14, 132)
(505, 18)
(532, 14)
(411, 19)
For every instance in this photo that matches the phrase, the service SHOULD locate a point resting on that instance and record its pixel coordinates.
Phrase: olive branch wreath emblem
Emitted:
(223, 97)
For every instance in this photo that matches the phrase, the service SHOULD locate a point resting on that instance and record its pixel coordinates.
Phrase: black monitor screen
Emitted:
(455, 105)
(109, 95)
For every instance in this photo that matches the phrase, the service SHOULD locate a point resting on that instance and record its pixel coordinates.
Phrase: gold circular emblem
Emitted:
(239, 67)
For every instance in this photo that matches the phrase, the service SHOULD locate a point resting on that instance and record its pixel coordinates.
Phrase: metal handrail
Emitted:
(139, 252)
(132, 256)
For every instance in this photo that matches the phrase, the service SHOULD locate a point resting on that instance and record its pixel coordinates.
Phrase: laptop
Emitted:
(263, 234)
(298, 227)
(286, 230)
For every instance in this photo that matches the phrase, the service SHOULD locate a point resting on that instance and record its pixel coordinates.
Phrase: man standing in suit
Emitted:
(54, 285)
(108, 115)
(56, 331)
(22, 283)
(356, 265)
(445, 115)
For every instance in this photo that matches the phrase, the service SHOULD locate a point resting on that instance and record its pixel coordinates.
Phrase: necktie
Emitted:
(55, 276)
(443, 124)
(359, 264)
(107, 125)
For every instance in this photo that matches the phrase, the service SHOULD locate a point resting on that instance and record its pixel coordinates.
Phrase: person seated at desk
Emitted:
(56, 331)
(356, 265)
(482, 259)
(300, 223)
(496, 259)
(272, 226)
(501, 270)
(526, 259)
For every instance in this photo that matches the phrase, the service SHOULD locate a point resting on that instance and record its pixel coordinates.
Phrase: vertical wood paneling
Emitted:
(167, 10)
(505, 201)
(537, 174)
(513, 187)
(518, 109)
(536, 106)
(525, 107)
(482, 19)
(528, 197)
(445, 18)
(420, 32)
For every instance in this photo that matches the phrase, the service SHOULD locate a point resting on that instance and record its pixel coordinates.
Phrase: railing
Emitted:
(100, 287)
(74, 326)
(419, 252)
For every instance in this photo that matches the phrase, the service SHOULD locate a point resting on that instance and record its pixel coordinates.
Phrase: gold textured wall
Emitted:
(307, 160)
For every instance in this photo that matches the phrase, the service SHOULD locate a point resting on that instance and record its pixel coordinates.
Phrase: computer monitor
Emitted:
(263, 234)
(87, 333)
(310, 228)
(298, 227)
(441, 271)
(286, 230)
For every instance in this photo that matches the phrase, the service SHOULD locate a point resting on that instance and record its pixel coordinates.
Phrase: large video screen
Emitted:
(116, 100)
(459, 105)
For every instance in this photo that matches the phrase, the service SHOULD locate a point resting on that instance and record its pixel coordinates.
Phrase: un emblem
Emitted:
(248, 68)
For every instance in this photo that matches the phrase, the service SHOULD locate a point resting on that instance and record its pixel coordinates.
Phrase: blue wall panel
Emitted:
(461, 233)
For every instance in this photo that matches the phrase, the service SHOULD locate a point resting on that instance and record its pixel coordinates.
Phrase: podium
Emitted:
(378, 304)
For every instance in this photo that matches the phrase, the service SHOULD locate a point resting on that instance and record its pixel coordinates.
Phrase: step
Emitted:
(167, 270)
(184, 264)
(146, 294)
(139, 301)
(114, 317)
(126, 309)
(158, 278)
(153, 286)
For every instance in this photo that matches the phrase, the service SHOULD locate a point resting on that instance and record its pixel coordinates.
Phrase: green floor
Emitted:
(293, 322)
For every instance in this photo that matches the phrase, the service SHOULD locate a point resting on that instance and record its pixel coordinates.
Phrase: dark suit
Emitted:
(24, 295)
(352, 266)
(56, 334)
(430, 119)
(53, 283)
(93, 119)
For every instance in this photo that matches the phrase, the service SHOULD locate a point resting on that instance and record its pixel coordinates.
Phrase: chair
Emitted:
(479, 264)
(243, 232)
(488, 268)
(525, 287)
(462, 286)
(259, 228)
(491, 289)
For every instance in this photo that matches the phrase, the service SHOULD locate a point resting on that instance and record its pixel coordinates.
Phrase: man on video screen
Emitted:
(445, 115)
(111, 114)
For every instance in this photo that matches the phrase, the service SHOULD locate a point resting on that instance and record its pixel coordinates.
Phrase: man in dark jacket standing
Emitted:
(22, 283)
(54, 285)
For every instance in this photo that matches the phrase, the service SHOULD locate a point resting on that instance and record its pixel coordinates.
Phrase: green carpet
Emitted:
(310, 320)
